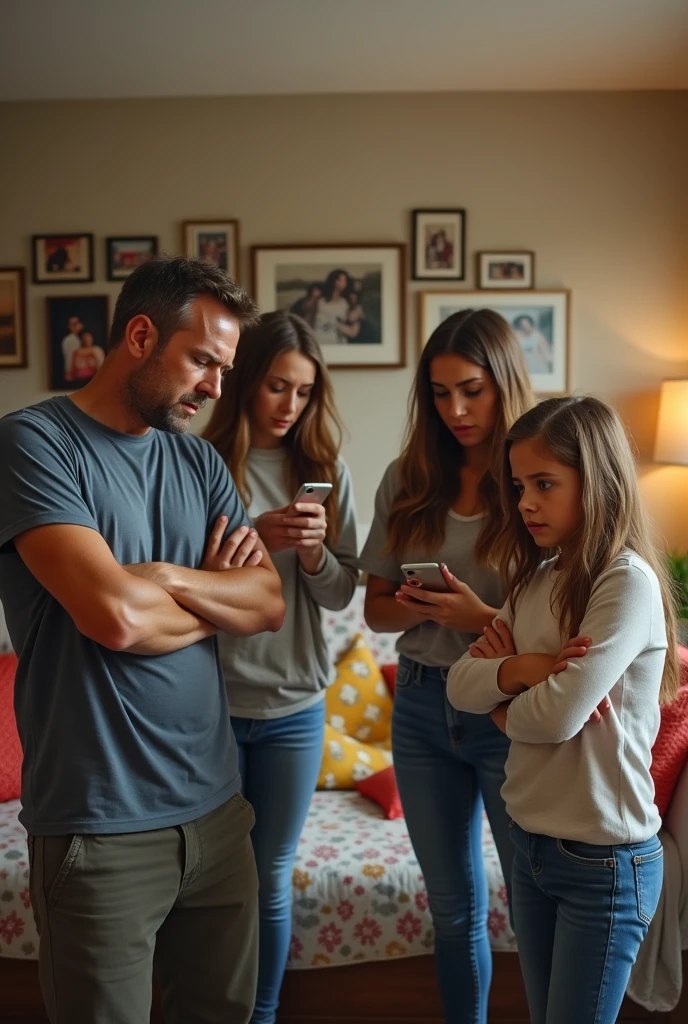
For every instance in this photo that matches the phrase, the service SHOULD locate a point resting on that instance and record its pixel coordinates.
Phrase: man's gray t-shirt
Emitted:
(113, 742)
(429, 643)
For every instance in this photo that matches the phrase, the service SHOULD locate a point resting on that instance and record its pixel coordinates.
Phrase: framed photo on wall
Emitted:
(77, 339)
(62, 258)
(13, 348)
(128, 252)
(351, 295)
(540, 321)
(509, 270)
(215, 241)
(439, 245)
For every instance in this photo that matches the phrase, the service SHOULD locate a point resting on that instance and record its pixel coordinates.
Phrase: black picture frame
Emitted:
(428, 223)
(13, 335)
(119, 273)
(52, 254)
(63, 336)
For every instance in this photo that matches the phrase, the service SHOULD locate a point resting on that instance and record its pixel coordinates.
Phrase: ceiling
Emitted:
(98, 49)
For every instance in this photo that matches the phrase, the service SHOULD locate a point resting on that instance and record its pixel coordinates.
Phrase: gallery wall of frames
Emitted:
(353, 295)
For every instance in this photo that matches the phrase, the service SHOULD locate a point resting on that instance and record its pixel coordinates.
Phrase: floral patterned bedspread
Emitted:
(358, 890)
(18, 936)
(359, 893)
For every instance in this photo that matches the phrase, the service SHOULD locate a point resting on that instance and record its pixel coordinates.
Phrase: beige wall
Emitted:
(594, 183)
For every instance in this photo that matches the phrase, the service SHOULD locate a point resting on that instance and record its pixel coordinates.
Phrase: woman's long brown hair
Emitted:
(429, 466)
(314, 440)
(586, 434)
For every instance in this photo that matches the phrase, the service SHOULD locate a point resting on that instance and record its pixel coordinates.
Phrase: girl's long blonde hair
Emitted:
(314, 440)
(431, 456)
(586, 434)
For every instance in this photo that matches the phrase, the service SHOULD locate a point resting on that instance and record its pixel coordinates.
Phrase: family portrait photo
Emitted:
(60, 258)
(439, 245)
(77, 339)
(506, 270)
(539, 321)
(126, 254)
(215, 242)
(351, 297)
(12, 318)
(344, 309)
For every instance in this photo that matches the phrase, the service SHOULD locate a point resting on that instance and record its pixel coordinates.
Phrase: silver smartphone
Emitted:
(427, 575)
(316, 493)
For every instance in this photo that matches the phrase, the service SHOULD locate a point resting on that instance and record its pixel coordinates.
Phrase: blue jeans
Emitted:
(448, 765)
(279, 761)
(580, 913)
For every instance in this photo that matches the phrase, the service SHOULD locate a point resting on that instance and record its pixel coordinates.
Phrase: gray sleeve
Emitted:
(373, 558)
(472, 682)
(39, 479)
(333, 585)
(619, 620)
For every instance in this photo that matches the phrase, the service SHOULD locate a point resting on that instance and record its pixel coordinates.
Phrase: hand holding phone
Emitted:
(301, 525)
(446, 600)
(427, 575)
(314, 494)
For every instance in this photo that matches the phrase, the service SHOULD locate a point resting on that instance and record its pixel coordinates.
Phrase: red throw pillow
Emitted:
(389, 674)
(10, 747)
(670, 751)
(382, 788)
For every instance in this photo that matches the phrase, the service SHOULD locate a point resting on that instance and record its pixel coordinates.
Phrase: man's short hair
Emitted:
(164, 288)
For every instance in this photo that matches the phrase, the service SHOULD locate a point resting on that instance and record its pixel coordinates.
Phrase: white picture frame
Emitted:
(540, 320)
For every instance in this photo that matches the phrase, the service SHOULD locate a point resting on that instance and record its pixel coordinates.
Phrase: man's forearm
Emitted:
(240, 602)
(173, 633)
(156, 624)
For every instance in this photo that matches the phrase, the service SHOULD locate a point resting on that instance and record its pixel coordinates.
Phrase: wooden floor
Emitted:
(405, 992)
(392, 992)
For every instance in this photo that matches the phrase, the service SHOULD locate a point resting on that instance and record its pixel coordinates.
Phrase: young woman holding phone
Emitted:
(277, 428)
(439, 502)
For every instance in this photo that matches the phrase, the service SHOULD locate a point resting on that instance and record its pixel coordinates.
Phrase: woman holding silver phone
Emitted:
(439, 503)
(277, 428)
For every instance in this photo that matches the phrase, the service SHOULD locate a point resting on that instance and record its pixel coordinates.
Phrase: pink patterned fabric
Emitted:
(10, 747)
(358, 890)
(359, 893)
(18, 936)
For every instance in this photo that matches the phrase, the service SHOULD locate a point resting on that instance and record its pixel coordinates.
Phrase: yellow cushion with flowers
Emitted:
(346, 761)
(358, 703)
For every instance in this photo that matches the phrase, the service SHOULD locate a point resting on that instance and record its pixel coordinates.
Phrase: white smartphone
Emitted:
(427, 575)
(316, 493)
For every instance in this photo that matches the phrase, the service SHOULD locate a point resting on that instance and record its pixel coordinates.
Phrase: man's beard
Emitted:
(146, 395)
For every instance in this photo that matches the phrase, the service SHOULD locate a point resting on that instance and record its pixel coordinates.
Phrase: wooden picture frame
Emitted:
(66, 258)
(502, 269)
(352, 295)
(215, 241)
(438, 250)
(13, 333)
(540, 320)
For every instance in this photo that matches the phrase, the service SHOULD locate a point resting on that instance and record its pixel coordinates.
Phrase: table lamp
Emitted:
(671, 442)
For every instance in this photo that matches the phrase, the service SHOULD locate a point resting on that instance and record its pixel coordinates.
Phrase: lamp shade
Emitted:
(671, 443)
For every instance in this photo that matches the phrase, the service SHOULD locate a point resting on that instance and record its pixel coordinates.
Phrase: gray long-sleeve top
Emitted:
(276, 674)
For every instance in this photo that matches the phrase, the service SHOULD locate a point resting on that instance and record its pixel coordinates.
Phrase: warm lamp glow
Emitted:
(671, 444)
